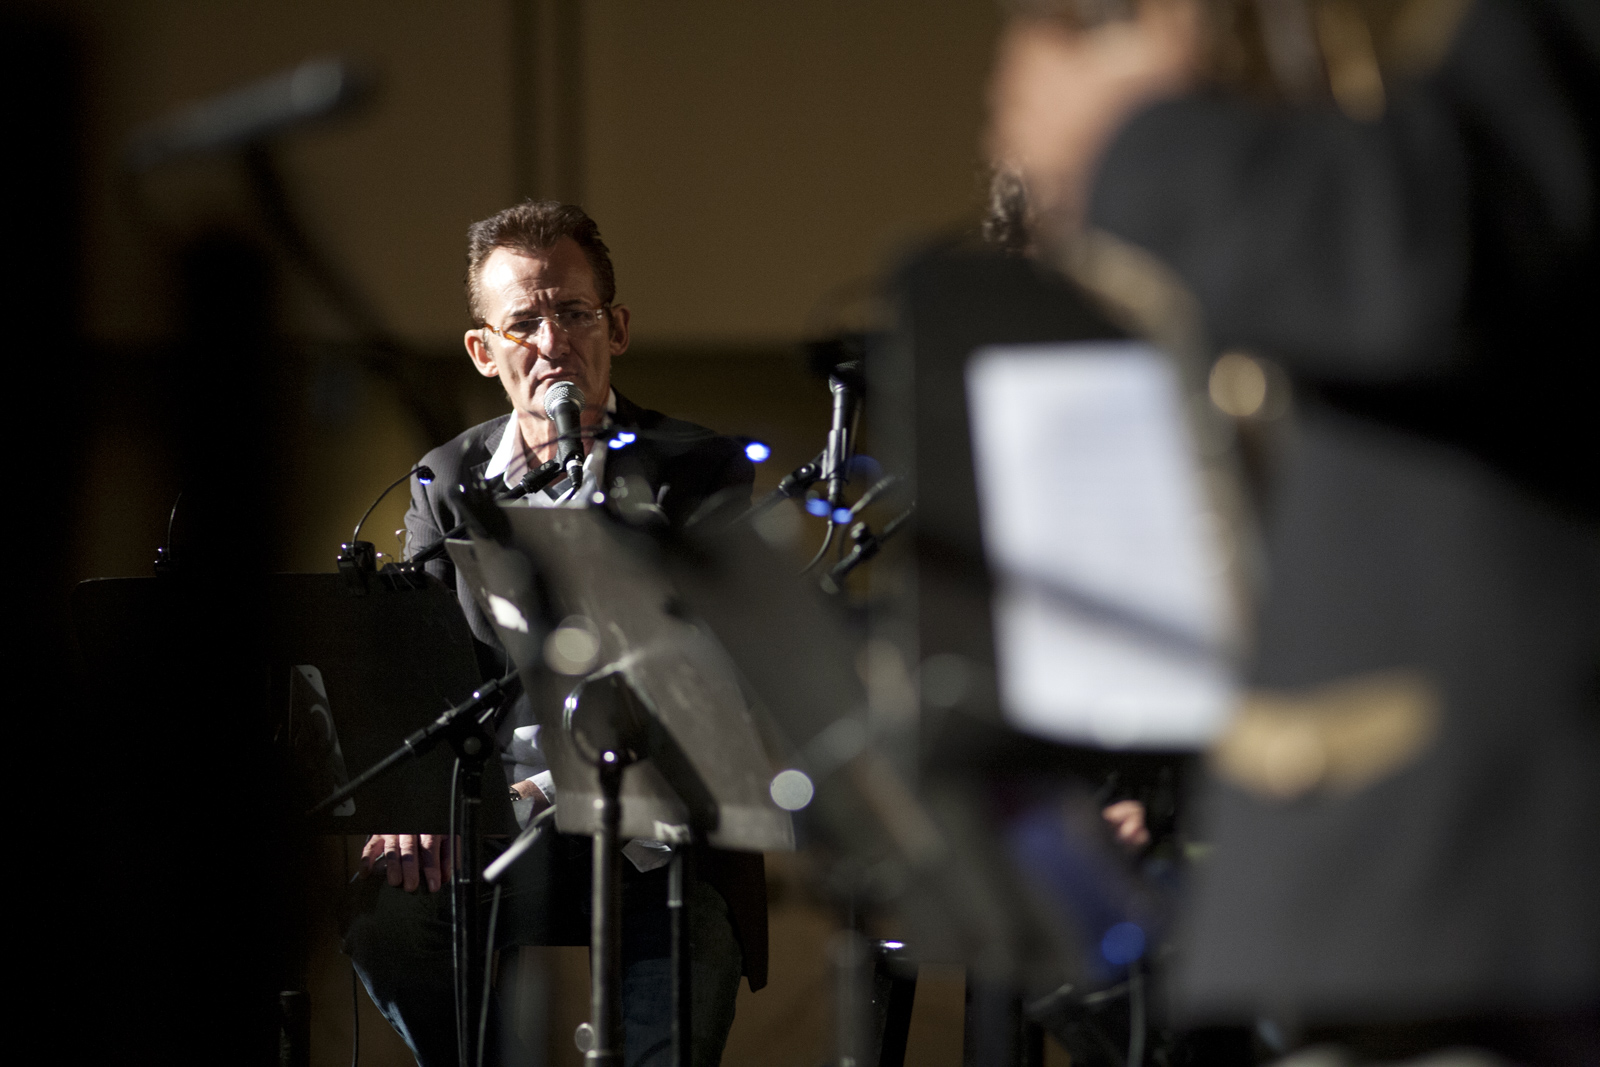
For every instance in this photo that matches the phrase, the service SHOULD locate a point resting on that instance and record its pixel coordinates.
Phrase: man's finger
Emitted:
(370, 852)
(391, 858)
(1127, 819)
(408, 862)
(430, 861)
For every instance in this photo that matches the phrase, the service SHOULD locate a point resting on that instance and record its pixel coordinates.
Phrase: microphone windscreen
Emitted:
(562, 393)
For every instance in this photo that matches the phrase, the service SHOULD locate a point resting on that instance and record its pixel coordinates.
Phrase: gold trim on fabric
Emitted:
(1340, 737)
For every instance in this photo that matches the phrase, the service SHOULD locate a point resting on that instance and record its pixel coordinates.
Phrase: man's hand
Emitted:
(1127, 818)
(529, 789)
(1058, 95)
(409, 859)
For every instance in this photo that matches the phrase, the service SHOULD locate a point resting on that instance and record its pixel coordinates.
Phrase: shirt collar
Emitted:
(510, 459)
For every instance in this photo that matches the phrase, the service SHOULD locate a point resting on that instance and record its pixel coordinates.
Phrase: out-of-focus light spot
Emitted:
(818, 507)
(893, 945)
(1238, 385)
(757, 452)
(841, 515)
(1122, 944)
(572, 647)
(866, 467)
(791, 790)
(507, 614)
(597, 499)
(609, 757)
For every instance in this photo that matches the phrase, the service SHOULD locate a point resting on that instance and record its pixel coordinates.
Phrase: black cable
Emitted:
(367, 514)
(823, 551)
(172, 518)
(458, 983)
(488, 974)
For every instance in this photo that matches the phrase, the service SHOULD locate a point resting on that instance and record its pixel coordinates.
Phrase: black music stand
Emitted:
(345, 676)
(651, 738)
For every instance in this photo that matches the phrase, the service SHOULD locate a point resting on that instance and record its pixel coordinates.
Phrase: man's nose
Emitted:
(551, 339)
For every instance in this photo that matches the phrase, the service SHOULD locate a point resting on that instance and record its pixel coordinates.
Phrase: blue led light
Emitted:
(757, 452)
(1122, 944)
(841, 515)
(818, 507)
(623, 437)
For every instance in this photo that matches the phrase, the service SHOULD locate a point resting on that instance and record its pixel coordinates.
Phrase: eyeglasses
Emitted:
(569, 321)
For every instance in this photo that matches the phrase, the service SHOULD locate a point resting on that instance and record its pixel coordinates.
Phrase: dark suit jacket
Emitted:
(686, 467)
(1429, 282)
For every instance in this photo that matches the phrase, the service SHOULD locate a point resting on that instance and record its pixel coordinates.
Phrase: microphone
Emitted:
(563, 403)
(846, 383)
(249, 114)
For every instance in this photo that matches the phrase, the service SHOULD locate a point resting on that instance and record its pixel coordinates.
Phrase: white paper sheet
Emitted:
(1111, 611)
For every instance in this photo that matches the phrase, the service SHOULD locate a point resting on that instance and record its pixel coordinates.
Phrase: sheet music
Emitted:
(1111, 613)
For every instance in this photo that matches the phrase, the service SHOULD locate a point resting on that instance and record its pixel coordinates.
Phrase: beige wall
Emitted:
(746, 158)
(743, 158)
(388, 190)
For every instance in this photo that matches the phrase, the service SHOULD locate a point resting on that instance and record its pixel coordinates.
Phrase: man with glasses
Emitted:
(541, 292)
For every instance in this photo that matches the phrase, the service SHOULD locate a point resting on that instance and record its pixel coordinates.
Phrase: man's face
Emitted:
(516, 287)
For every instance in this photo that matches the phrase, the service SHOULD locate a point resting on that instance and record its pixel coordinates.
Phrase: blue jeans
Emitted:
(400, 945)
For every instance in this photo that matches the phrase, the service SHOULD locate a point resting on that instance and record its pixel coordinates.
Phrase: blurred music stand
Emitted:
(668, 753)
(344, 678)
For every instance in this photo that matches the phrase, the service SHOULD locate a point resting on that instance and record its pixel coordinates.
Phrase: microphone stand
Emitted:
(609, 728)
(867, 546)
(469, 728)
(794, 484)
(471, 720)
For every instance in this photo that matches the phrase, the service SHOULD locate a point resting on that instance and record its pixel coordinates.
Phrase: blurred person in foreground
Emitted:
(1396, 204)
(541, 291)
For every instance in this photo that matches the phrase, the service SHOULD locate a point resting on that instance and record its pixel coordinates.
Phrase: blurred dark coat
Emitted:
(685, 466)
(1429, 281)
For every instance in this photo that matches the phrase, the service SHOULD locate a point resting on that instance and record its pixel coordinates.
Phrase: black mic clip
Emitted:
(535, 480)
(481, 511)
(358, 562)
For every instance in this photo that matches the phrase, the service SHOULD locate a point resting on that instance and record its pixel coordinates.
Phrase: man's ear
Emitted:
(482, 358)
(618, 320)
